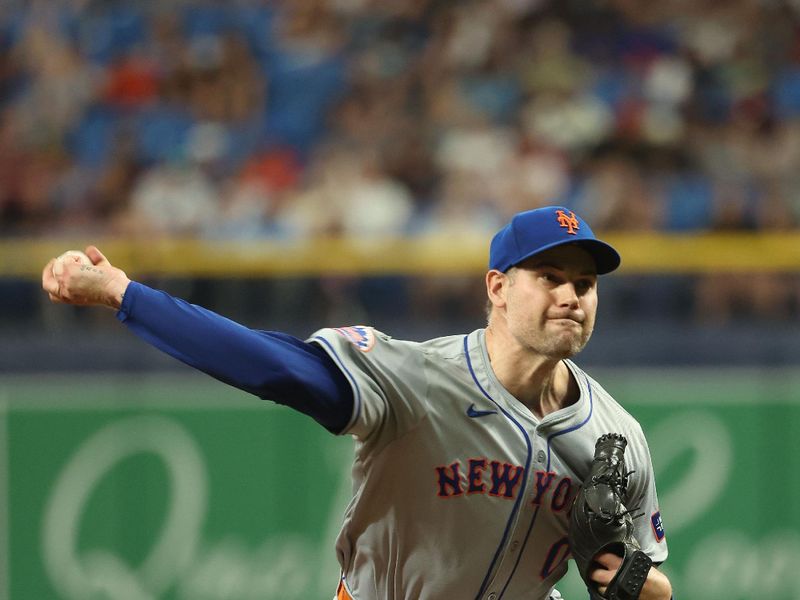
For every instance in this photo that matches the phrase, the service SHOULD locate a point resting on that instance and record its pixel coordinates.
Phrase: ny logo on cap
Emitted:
(570, 223)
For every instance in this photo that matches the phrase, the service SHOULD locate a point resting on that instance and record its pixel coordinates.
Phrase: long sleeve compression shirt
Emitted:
(272, 365)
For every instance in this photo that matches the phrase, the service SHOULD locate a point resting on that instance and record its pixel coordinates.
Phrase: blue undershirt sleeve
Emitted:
(271, 365)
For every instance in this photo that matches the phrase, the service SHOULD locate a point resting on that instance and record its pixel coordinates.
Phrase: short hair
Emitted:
(511, 273)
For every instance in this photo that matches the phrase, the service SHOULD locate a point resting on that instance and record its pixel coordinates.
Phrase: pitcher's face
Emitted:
(551, 301)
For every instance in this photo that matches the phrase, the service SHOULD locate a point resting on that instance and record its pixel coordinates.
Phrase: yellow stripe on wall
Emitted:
(464, 255)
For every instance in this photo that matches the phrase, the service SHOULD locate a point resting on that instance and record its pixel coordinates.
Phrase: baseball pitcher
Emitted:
(484, 460)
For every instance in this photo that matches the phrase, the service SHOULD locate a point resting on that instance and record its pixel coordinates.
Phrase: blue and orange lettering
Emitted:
(558, 553)
(474, 483)
(561, 495)
(544, 479)
(504, 481)
(449, 477)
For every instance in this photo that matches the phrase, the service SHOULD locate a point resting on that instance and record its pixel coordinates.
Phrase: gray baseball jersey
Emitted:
(459, 490)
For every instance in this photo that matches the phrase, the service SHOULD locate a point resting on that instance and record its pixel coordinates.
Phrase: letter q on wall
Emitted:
(79, 577)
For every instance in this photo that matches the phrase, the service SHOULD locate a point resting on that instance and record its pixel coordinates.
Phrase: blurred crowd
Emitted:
(253, 118)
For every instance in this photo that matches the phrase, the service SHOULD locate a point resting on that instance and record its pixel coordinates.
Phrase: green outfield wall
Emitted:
(167, 487)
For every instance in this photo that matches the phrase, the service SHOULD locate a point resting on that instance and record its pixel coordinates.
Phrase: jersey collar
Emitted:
(565, 417)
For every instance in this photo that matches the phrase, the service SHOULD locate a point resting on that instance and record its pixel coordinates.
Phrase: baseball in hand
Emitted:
(75, 256)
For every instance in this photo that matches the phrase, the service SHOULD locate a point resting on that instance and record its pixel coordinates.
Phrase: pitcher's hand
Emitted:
(98, 284)
(656, 587)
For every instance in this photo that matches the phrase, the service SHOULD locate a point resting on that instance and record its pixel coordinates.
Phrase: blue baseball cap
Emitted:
(533, 231)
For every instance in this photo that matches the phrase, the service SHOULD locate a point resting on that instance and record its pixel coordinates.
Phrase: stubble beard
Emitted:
(561, 345)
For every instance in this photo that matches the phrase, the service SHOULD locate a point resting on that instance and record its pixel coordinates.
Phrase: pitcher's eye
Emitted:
(584, 285)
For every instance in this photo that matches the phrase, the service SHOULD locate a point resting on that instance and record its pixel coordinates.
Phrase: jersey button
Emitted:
(540, 456)
(492, 596)
(514, 546)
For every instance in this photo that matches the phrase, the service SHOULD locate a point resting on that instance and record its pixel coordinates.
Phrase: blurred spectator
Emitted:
(173, 199)
(59, 85)
(616, 196)
(347, 194)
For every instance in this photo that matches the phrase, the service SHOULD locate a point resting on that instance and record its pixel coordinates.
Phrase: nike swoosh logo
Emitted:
(475, 413)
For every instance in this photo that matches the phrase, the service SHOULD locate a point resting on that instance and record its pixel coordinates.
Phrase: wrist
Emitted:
(116, 293)
(662, 586)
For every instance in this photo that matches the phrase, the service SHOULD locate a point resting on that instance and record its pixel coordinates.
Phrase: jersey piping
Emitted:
(353, 383)
(536, 513)
(518, 501)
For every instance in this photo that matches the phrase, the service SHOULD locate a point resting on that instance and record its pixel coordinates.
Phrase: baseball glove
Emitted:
(600, 522)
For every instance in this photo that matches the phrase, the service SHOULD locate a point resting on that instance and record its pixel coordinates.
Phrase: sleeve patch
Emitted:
(658, 526)
(360, 336)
